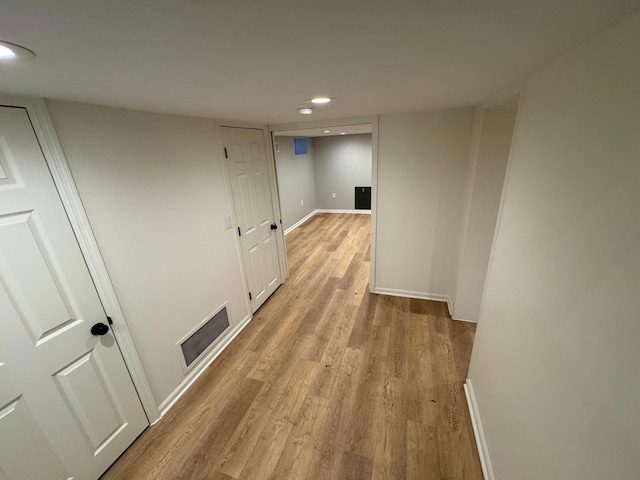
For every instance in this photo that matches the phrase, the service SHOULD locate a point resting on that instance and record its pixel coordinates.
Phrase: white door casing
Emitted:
(247, 168)
(68, 407)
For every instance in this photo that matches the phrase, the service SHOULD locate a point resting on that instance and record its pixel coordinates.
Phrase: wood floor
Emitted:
(327, 382)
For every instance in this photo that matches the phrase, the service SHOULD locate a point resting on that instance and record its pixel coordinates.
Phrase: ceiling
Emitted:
(322, 131)
(259, 60)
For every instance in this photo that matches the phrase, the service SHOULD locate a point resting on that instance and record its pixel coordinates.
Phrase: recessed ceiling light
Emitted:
(343, 133)
(6, 53)
(326, 131)
(305, 110)
(320, 100)
(11, 51)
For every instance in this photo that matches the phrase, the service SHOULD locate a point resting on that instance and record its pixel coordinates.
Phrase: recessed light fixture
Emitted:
(6, 53)
(320, 100)
(10, 51)
(305, 110)
(343, 133)
(326, 131)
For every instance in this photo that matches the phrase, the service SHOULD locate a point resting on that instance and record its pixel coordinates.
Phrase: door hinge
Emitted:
(109, 320)
(250, 297)
(226, 155)
(239, 232)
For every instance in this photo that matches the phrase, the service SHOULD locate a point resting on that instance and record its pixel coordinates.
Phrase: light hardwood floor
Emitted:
(327, 382)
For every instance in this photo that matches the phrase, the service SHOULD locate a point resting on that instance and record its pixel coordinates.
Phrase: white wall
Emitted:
(154, 191)
(342, 162)
(489, 166)
(555, 365)
(296, 181)
(422, 160)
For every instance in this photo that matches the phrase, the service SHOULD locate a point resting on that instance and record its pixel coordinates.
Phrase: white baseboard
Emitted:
(463, 319)
(323, 210)
(299, 222)
(193, 375)
(436, 297)
(336, 210)
(481, 443)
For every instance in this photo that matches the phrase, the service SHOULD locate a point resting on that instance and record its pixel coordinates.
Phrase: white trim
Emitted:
(458, 319)
(481, 442)
(323, 210)
(374, 203)
(299, 222)
(63, 180)
(436, 297)
(277, 210)
(337, 210)
(189, 379)
(282, 251)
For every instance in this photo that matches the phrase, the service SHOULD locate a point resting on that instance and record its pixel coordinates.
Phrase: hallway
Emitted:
(327, 381)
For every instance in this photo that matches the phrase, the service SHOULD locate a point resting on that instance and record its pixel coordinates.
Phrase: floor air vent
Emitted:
(194, 345)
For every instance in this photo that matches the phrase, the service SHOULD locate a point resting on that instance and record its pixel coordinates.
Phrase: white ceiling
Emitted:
(320, 132)
(259, 60)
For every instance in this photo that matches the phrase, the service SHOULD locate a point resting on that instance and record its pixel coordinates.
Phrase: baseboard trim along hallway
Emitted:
(481, 442)
(304, 219)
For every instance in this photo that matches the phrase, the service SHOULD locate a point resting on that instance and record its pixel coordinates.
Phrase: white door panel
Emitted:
(272, 262)
(65, 395)
(20, 433)
(251, 192)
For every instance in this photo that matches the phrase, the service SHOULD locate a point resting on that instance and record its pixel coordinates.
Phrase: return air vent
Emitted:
(363, 198)
(199, 341)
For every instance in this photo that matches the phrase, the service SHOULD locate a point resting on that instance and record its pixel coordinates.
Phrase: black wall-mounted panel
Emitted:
(363, 198)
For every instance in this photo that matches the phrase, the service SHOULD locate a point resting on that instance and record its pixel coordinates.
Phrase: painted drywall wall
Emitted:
(296, 181)
(422, 160)
(154, 191)
(555, 360)
(342, 162)
(490, 164)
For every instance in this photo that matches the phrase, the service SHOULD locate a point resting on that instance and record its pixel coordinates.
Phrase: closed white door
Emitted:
(251, 191)
(68, 407)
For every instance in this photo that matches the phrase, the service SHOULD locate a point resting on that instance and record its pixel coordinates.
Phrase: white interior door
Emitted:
(68, 407)
(251, 191)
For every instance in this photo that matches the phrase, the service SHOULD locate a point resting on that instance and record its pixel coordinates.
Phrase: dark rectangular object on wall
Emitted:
(363, 198)
(197, 343)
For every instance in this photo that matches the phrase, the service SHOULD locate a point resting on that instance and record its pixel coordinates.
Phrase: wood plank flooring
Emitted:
(327, 382)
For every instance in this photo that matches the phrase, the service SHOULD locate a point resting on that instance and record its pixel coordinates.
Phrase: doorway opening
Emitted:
(323, 170)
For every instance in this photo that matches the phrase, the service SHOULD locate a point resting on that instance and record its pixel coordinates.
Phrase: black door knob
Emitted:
(274, 226)
(99, 329)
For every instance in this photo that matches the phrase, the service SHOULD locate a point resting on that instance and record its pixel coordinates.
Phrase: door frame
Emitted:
(373, 120)
(275, 201)
(63, 181)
